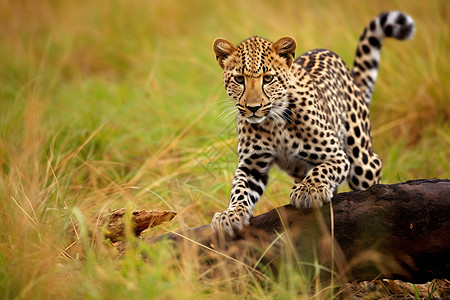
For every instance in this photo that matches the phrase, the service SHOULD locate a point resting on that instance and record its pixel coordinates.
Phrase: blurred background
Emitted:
(107, 104)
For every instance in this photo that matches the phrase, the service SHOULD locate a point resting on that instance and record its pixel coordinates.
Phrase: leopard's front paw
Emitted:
(231, 220)
(305, 195)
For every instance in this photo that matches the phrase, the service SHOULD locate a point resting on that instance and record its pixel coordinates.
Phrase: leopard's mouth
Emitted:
(255, 119)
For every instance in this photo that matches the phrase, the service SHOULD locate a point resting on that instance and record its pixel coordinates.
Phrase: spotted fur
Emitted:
(310, 117)
(394, 24)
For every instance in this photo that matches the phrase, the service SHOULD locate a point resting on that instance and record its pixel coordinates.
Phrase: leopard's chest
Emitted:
(284, 145)
(288, 150)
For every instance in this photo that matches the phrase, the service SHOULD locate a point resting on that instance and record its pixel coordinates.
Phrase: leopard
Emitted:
(308, 115)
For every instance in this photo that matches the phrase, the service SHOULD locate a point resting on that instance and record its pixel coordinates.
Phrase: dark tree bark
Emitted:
(398, 231)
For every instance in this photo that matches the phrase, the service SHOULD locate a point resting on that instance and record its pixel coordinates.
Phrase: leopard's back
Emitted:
(340, 101)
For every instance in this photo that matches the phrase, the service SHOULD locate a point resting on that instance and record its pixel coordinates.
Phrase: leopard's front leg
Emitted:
(321, 182)
(248, 185)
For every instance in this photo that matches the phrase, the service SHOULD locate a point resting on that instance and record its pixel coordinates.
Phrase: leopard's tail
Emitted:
(394, 24)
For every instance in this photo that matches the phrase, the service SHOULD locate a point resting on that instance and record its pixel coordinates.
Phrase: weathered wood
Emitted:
(398, 231)
(141, 220)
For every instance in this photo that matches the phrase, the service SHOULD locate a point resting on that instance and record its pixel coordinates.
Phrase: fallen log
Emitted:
(397, 231)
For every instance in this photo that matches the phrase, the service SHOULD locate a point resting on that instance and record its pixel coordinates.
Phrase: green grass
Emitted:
(107, 104)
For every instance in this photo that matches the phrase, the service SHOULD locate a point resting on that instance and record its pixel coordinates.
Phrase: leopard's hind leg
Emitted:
(365, 165)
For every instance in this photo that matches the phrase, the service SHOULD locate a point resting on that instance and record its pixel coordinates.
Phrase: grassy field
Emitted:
(108, 104)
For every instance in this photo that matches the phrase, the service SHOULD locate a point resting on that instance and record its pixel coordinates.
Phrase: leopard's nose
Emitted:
(253, 109)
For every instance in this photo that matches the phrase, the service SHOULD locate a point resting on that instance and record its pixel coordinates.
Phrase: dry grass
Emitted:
(108, 104)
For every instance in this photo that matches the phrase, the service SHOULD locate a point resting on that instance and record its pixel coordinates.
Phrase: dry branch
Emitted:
(141, 220)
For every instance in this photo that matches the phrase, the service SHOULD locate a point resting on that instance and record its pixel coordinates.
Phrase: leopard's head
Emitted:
(256, 74)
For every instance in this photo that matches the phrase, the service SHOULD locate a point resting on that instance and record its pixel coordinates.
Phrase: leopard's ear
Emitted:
(285, 47)
(223, 49)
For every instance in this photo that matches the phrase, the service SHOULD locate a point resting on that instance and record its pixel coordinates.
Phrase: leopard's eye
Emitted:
(239, 79)
(267, 79)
